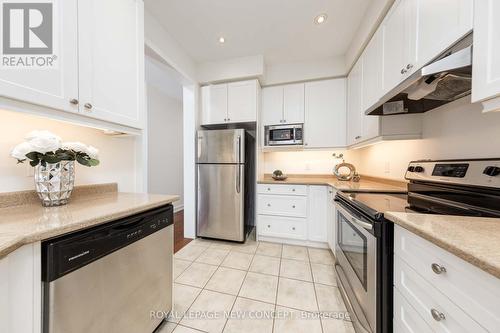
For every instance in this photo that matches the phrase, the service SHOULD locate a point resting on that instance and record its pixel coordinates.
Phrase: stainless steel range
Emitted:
(364, 245)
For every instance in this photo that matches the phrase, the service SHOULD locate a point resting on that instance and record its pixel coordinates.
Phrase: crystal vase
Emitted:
(54, 182)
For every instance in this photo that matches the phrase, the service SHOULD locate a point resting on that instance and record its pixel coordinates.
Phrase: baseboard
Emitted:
(320, 245)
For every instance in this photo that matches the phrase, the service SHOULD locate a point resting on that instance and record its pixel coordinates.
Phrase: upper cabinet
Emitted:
(283, 104)
(111, 58)
(439, 24)
(486, 58)
(234, 102)
(354, 103)
(100, 64)
(397, 45)
(55, 87)
(325, 114)
(417, 31)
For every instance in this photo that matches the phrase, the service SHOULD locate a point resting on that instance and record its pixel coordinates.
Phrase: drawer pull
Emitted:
(293, 206)
(438, 269)
(293, 228)
(268, 205)
(268, 189)
(293, 190)
(438, 316)
(269, 226)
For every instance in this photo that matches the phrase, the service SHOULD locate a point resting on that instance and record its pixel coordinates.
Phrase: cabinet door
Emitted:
(451, 18)
(325, 116)
(317, 214)
(373, 62)
(396, 49)
(111, 58)
(293, 103)
(272, 105)
(354, 103)
(214, 104)
(486, 58)
(242, 101)
(56, 87)
(332, 214)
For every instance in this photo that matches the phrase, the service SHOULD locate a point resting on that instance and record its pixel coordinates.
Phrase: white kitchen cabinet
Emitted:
(21, 291)
(214, 104)
(428, 277)
(234, 102)
(111, 58)
(439, 24)
(325, 114)
(283, 104)
(398, 48)
(354, 103)
(331, 220)
(53, 88)
(486, 57)
(242, 101)
(317, 214)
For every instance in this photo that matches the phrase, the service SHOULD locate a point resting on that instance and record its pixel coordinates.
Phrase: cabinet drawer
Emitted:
(282, 189)
(282, 227)
(473, 290)
(426, 299)
(282, 205)
(406, 318)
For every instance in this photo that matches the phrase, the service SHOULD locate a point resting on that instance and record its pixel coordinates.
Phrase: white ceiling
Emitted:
(282, 30)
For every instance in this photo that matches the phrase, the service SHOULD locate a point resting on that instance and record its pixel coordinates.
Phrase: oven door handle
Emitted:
(351, 218)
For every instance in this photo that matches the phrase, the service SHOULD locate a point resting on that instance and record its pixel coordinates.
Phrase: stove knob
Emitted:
(419, 169)
(492, 171)
(411, 168)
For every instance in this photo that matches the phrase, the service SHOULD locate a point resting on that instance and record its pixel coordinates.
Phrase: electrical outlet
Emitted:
(387, 168)
(30, 171)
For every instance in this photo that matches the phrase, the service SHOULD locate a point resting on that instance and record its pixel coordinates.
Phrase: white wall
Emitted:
(117, 154)
(165, 144)
(305, 162)
(453, 131)
(302, 71)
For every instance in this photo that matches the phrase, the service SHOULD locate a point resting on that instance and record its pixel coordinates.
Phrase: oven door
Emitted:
(356, 252)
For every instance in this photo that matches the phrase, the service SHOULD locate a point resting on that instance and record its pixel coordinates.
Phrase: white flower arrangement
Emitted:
(45, 147)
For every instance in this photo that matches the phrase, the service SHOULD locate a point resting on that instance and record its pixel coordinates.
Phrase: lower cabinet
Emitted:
(298, 214)
(21, 290)
(435, 291)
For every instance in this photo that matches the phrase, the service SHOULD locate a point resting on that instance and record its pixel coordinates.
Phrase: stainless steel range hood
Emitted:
(443, 80)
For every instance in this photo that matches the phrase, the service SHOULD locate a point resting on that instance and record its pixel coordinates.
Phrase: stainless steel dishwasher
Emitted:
(110, 278)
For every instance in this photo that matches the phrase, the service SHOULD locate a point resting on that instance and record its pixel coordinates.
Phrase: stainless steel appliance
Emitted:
(226, 184)
(108, 279)
(445, 79)
(284, 135)
(364, 245)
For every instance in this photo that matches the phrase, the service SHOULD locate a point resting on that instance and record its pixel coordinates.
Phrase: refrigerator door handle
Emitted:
(238, 174)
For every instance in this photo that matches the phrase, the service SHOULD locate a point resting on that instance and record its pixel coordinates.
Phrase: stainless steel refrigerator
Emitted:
(226, 184)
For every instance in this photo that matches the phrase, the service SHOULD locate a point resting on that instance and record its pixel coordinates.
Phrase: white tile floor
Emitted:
(255, 287)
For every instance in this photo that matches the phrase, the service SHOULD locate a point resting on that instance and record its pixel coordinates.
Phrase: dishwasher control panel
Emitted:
(65, 254)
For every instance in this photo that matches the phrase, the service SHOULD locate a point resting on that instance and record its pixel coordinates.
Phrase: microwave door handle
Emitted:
(238, 173)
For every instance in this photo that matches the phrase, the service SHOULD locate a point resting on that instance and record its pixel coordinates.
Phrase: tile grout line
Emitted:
(277, 289)
(315, 293)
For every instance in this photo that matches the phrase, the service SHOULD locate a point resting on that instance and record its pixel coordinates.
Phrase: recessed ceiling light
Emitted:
(321, 18)
(222, 40)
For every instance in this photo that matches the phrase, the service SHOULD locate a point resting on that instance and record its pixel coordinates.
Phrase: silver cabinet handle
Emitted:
(409, 66)
(438, 269)
(357, 137)
(228, 119)
(269, 226)
(225, 119)
(293, 190)
(293, 206)
(88, 106)
(73, 101)
(268, 205)
(268, 189)
(404, 70)
(438, 316)
(293, 228)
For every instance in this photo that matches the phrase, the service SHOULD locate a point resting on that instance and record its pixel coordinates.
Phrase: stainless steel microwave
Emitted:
(284, 135)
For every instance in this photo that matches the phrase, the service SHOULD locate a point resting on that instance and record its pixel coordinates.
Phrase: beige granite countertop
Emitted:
(366, 184)
(30, 222)
(474, 239)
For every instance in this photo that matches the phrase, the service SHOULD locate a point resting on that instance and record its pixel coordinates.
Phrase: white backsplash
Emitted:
(305, 162)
